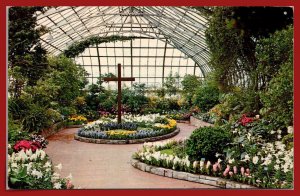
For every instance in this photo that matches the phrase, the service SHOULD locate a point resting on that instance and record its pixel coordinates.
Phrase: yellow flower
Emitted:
(119, 132)
(78, 118)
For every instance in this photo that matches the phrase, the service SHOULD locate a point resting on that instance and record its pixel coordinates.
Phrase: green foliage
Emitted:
(69, 77)
(27, 61)
(272, 53)
(206, 97)
(189, 86)
(78, 47)
(171, 84)
(277, 99)
(15, 132)
(232, 36)
(205, 142)
(38, 118)
(135, 99)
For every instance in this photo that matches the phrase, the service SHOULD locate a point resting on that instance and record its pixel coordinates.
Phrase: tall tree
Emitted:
(26, 58)
(232, 37)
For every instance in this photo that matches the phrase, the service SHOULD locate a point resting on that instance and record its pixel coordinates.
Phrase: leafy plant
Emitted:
(206, 97)
(205, 142)
(189, 85)
(78, 47)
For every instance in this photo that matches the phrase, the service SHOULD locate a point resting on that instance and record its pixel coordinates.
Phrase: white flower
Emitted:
(47, 164)
(272, 132)
(276, 167)
(230, 161)
(279, 131)
(59, 166)
(36, 173)
(255, 159)
(14, 165)
(69, 176)
(195, 164)
(55, 177)
(257, 116)
(258, 181)
(9, 146)
(290, 129)
(247, 157)
(22, 156)
(33, 157)
(267, 161)
(219, 160)
(278, 136)
(217, 155)
(29, 152)
(208, 164)
(42, 154)
(201, 164)
(57, 185)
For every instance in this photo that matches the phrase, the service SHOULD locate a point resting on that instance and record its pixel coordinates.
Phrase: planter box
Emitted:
(199, 123)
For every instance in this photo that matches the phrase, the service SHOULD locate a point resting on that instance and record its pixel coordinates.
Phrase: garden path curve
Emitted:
(105, 166)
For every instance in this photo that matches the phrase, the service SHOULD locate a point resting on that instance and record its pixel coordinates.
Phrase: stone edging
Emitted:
(209, 180)
(75, 126)
(183, 121)
(134, 141)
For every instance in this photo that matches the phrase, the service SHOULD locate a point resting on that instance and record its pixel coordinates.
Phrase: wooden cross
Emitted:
(119, 79)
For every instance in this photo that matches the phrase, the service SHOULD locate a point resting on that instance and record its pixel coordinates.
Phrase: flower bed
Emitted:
(29, 167)
(132, 128)
(76, 121)
(270, 167)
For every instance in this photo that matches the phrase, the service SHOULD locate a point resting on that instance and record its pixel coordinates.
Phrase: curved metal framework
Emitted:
(173, 28)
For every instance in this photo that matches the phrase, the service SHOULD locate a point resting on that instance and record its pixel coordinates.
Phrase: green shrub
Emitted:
(189, 85)
(15, 132)
(205, 142)
(206, 97)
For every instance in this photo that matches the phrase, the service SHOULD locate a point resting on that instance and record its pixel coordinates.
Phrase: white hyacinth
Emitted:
(255, 160)
(57, 185)
(59, 166)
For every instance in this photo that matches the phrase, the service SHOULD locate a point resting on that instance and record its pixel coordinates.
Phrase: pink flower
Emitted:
(228, 167)
(231, 173)
(226, 171)
(242, 170)
(248, 171)
(215, 167)
(69, 184)
(219, 166)
(235, 169)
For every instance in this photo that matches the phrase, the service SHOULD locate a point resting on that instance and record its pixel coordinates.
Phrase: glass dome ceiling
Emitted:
(168, 40)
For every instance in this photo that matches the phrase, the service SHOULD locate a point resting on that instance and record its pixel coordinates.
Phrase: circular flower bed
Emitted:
(131, 128)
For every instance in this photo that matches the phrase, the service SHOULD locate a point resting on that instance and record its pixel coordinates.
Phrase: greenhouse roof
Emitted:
(179, 27)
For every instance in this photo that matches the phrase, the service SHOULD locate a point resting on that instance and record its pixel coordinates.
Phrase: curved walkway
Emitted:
(104, 166)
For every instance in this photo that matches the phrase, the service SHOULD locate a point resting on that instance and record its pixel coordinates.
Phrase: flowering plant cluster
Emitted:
(26, 145)
(245, 120)
(179, 115)
(264, 164)
(39, 139)
(206, 117)
(77, 120)
(34, 170)
(132, 127)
